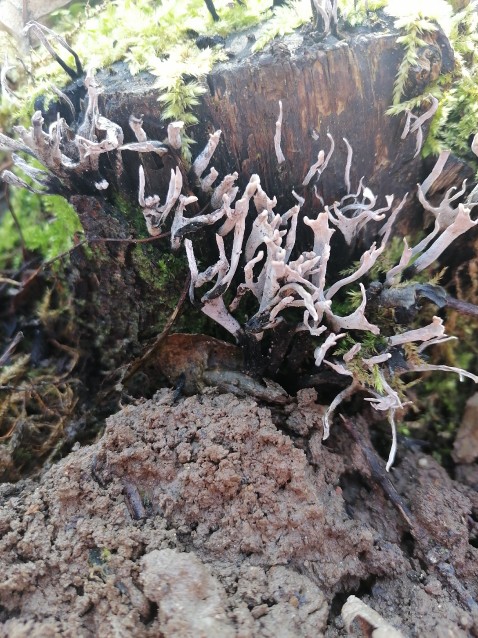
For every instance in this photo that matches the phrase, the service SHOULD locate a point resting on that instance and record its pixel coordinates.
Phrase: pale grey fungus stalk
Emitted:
(136, 125)
(428, 367)
(7, 92)
(431, 331)
(249, 274)
(348, 165)
(474, 145)
(444, 213)
(38, 175)
(240, 213)
(41, 31)
(174, 134)
(231, 217)
(202, 160)
(393, 275)
(7, 144)
(216, 310)
(174, 191)
(299, 199)
(262, 201)
(180, 223)
(193, 268)
(13, 180)
(314, 168)
(379, 358)
(418, 122)
(141, 187)
(434, 342)
(462, 223)
(148, 146)
(352, 353)
(283, 303)
(207, 182)
(356, 320)
(386, 229)
(322, 232)
(393, 447)
(435, 172)
(87, 128)
(223, 188)
(293, 215)
(348, 392)
(277, 137)
(367, 260)
(329, 154)
(328, 11)
(421, 246)
(321, 351)
(261, 229)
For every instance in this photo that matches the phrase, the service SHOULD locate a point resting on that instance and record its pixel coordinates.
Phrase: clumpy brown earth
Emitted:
(213, 517)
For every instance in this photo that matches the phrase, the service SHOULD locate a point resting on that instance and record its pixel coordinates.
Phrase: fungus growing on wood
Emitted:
(257, 244)
(414, 123)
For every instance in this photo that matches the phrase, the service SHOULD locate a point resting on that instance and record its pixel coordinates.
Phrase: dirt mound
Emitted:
(202, 518)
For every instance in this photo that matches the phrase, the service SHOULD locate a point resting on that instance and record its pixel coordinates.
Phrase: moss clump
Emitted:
(457, 92)
(48, 227)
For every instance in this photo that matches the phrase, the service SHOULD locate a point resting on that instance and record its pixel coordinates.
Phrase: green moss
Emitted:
(457, 114)
(285, 19)
(359, 12)
(48, 226)
(144, 34)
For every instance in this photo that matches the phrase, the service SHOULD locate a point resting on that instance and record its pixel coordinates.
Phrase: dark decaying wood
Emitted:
(342, 87)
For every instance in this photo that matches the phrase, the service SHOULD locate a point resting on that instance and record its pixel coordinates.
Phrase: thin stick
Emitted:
(136, 365)
(14, 343)
(10, 282)
(380, 476)
(15, 221)
(463, 307)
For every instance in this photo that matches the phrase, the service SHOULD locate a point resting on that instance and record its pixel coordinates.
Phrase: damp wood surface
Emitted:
(338, 87)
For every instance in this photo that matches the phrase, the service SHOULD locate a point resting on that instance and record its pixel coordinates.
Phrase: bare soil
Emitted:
(213, 516)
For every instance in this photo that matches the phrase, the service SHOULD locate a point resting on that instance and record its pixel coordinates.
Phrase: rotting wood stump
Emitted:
(337, 87)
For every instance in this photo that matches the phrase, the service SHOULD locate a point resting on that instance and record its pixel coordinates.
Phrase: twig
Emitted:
(136, 365)
(463, 307)
(15, 220)
(133, 500)
(380, 476)
(9, 351)
(419, 533)
(10, 282)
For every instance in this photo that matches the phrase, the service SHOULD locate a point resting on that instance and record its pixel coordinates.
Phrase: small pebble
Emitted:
(433, 587)
(259, 611)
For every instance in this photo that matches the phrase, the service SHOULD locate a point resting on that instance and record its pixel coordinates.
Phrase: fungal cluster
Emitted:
(257, 254)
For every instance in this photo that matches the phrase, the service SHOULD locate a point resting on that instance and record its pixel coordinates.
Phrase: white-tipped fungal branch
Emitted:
(277, 137)
(202, 160)
(414, 123)
(174, 134)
